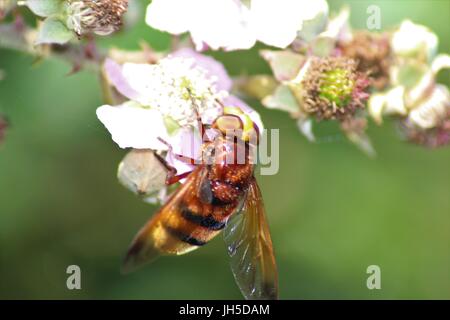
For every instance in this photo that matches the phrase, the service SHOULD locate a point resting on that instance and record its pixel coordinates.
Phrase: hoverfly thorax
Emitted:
(237, 140)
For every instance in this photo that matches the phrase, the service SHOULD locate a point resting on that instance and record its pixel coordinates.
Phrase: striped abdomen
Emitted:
(195, 214)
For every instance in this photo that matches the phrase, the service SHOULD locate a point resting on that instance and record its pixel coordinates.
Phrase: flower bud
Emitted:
(431, 138)
(414, 41)
(428, 124)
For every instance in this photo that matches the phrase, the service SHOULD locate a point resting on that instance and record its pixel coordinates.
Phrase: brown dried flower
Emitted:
(373, 53)
(101, 17)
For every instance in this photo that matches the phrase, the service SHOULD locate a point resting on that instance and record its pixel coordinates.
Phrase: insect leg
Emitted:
(178, 156)
(201, 126)
(172, 177)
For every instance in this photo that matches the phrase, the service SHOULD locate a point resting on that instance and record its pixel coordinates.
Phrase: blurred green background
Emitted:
(332, 211)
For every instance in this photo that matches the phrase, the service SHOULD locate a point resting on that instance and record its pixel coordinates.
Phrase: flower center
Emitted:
(336, 87)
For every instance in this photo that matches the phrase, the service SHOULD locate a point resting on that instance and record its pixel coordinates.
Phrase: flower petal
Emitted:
(375, 106)
(433, 110)
(442, 61)
(395, 103)
(132, 126)
(221, 24)
(276, 22)
(414, 40)
(114, 74)
(214, 68)
(315, 18)
(138, 76)
(170, 15)
(186, 142)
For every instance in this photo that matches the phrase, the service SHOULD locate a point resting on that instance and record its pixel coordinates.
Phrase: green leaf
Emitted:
(53, 30)
(45, 8)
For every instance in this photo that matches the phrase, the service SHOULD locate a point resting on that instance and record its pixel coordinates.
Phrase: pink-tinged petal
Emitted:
(132, 126)
(139, 78)
(171, 16)
(115, 75)
(132, 80)
(186, 142)
(222, 24)
(234, 101)
(179, 165)
(214, 68)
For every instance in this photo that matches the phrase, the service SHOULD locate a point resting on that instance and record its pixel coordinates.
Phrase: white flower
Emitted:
(164, 98)
(175, 87)
(231, 24)
(414, 94)
(167, 100)
(423, 101)
(414, 40)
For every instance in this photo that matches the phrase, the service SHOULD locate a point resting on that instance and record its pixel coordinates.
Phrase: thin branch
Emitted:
(18, 37)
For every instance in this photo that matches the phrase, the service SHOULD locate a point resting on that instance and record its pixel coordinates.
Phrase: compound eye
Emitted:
(227, 123)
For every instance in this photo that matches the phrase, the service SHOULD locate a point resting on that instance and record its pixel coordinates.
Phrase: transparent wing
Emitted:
(250, 249)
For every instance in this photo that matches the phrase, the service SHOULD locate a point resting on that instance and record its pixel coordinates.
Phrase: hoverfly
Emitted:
(217, 195)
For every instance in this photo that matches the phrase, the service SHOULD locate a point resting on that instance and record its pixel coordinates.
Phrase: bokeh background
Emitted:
(332, 211)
